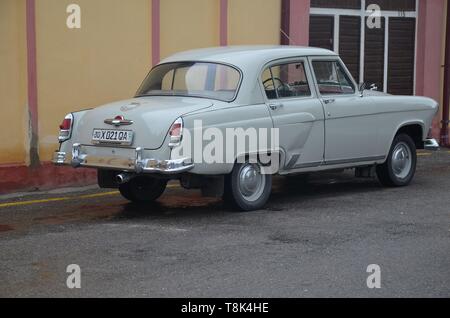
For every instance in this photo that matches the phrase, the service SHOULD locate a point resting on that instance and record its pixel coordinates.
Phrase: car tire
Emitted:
(246, 188)
(143, 189)
(400, 165)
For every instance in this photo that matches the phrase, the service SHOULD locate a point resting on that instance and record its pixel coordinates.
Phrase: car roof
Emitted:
(245, 55)
(250, 60)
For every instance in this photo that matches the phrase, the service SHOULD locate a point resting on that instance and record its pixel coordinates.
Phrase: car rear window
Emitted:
(197, 79)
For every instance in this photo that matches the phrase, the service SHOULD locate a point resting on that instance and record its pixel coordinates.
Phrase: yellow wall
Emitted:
(188, 24)
(254, 22)
(13, 81)
(107, 58)
(103, 61)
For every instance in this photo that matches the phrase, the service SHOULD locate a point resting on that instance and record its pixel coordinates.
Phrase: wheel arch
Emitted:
(415, 129)
(278, 155)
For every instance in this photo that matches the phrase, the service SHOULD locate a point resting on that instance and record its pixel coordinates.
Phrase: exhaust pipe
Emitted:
(122, 178)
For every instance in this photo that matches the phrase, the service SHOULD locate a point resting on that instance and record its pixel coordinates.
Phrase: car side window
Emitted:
(269, 87)
(286, 80)
(332, 79)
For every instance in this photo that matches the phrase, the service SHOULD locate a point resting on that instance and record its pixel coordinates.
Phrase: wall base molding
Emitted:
(18, 178)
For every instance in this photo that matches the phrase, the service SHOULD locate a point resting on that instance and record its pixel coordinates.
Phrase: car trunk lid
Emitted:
(151, 118)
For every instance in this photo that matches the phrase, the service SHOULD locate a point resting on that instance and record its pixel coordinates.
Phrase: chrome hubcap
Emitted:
(251, 182)
(401, 160)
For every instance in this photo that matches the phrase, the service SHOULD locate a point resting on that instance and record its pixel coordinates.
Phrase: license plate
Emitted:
(123, 137)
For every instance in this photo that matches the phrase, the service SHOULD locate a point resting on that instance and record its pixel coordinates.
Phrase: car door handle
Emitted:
(329, 101)
(274, 106)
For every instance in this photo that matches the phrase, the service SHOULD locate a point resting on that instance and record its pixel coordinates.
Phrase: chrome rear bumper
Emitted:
(136, 164)
(431, 144)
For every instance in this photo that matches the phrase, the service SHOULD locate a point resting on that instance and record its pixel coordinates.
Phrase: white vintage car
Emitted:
(197, 114)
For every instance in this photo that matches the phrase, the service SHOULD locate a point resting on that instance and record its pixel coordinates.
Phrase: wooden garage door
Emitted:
(374, 56)
(349, 38)
(389, 55)
(321, 31)
(395, 5)
(401, 56)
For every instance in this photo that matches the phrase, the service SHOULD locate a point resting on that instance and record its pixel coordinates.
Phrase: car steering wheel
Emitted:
(282, 85)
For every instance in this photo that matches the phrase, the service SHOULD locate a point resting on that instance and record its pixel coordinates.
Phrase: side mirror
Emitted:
(373, 87)
(363, 87)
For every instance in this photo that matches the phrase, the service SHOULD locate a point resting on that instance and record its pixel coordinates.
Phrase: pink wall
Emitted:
(295, 22)
(431, 23)
(299, 22)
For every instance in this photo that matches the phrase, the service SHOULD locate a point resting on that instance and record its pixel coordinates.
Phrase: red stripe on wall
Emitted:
(223, 22)
(285, 22)
(32, 78)
(156, 31)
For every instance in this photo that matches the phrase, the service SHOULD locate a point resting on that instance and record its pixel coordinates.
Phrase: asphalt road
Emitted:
(314, 239)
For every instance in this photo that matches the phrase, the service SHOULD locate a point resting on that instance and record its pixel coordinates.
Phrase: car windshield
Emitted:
(197, 79)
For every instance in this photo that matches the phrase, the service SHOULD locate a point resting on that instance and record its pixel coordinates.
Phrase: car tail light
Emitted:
(176, 132)
(65, 128)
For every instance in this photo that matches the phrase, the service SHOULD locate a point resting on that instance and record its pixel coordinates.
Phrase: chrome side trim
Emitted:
(308, 165)
(336, 162)
(363, 159)
(292, 161)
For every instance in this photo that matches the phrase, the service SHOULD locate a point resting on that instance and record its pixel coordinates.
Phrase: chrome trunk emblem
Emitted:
(118, 121)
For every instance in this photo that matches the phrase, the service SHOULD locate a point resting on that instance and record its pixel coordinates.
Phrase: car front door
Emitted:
(351, 123)
(296, 112)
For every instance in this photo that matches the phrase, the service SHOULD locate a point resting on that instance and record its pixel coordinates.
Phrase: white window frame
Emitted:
(336, 13)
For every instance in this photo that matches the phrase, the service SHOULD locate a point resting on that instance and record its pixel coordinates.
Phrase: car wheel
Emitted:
(400, 166)
(143, 189)
(246, 188)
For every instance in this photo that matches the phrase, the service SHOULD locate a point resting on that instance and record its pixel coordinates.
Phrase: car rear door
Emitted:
(351, 121)
(295, 111)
